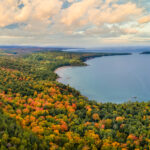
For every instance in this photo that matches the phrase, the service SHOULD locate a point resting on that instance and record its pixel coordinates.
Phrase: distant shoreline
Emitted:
(84, 59)
(146, 52)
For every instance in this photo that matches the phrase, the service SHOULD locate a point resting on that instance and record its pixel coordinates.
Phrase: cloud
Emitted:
(98, 12)
(145, 19)
(66, 20)
(40, 10)
(80, 13)
(130, 31)
(76, 11)
(117, 13)
(45, 9)
(7, 12)
(112, 31)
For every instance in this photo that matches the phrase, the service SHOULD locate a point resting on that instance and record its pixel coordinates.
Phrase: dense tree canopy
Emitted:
(36, 112)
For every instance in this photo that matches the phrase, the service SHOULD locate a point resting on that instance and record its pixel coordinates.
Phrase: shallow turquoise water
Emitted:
(114, 79)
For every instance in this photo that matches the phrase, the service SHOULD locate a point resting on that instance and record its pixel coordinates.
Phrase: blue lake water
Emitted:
(114, 79)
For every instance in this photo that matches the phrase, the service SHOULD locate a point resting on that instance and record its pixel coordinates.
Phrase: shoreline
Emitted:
(59, 69)
(62, 67)
(63, 77)
(85, 59)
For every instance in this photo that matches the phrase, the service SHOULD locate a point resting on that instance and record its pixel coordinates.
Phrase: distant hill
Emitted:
(147, 52)
(16, 49)
(113, 49)
(13, 50)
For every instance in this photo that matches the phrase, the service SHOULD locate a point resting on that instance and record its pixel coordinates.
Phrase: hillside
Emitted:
(39, 113)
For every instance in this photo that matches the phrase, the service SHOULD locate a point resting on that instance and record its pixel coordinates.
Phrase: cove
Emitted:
(115, 79)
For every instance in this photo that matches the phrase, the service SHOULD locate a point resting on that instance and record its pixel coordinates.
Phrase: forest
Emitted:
(39, 113)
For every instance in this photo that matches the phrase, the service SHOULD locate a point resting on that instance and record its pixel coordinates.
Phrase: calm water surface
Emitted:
(114, 79)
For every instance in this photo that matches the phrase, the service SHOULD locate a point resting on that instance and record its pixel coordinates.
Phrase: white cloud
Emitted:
(40, 10)
(98, 12)
(145, 19)
(117, 13)
(82, 18)
(76, 11)
(45, 9)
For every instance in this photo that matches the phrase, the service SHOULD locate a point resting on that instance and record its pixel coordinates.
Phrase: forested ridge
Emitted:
(38, 113)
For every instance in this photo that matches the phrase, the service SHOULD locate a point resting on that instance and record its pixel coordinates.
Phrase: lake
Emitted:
(115, 79)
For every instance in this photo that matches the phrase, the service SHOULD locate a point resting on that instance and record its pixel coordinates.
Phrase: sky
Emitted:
(75, 23)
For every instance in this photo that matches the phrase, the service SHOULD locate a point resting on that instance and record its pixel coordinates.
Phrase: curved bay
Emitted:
(114, 79)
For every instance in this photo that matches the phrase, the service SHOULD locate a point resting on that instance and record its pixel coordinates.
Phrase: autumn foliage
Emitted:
(39, 113)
